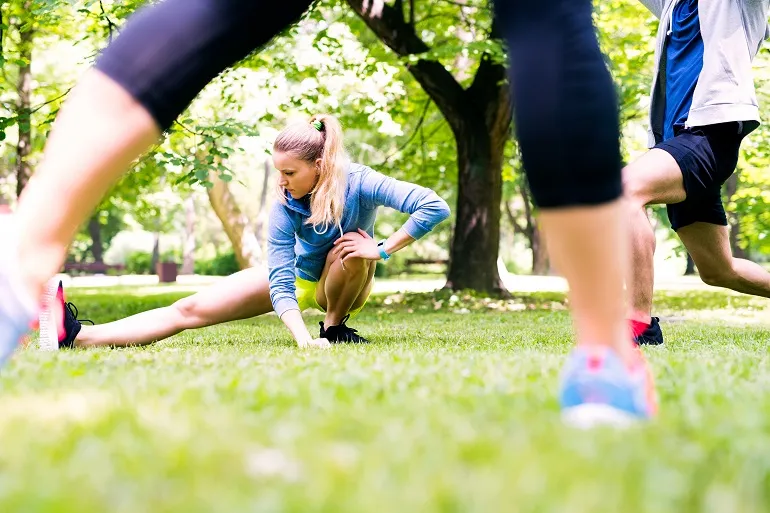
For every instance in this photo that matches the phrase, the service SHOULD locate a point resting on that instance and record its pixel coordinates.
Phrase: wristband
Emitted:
(383, 254)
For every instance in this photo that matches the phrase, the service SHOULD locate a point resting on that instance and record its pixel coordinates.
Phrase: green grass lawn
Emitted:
(451, 408)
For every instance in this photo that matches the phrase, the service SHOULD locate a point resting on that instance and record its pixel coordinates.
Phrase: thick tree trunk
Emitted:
(155, 258)
(262, 213)
(476, 241)
(24, 90)
(480, 118)
(234, 222)
(188, 251)
(97, 245)
(541, 264)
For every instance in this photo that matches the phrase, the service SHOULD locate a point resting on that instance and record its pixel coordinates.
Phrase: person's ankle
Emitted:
(640, 316)
(331, 321)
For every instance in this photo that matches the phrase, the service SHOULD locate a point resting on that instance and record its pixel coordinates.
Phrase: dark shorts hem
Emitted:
(707, 157)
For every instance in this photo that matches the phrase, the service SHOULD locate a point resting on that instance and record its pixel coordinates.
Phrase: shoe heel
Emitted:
(49, 338)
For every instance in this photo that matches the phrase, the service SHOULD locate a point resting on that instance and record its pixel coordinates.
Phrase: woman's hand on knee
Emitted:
(356, 245)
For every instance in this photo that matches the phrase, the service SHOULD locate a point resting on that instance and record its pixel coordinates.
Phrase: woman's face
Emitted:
(296, 176)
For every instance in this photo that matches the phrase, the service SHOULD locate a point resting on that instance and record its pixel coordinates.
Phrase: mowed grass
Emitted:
(452, 408)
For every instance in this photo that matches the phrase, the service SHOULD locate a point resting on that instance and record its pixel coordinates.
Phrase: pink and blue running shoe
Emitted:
(597, 388)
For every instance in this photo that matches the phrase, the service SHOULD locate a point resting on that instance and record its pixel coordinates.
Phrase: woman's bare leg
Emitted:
(341, 290)
(242, 295)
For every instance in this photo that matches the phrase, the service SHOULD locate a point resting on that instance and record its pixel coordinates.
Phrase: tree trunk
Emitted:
(690, 269)
(476, 241)
(97, 245)
(188, 251)
(731, 187)
(24, 90)
(155, 258)
(262, 214)
(480, 118)
(234, 222)
(541, 264)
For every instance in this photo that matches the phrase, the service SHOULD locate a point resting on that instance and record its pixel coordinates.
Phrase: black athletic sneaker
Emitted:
(653, 335)
(342, 333)
(59, 323)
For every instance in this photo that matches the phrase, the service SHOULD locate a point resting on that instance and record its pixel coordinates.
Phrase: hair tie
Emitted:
(318, 125)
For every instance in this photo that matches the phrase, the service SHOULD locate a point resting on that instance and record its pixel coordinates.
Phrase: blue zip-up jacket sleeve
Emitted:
(425, 207)
(280, 260)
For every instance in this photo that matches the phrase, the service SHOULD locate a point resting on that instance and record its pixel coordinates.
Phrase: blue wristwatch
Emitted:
(380, 246)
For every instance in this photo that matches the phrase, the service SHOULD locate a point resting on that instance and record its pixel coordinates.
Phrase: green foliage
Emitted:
(751, 203)
(223, 264)
(627, 35)
(139, 262)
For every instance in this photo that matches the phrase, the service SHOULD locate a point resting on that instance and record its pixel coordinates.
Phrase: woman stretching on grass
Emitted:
(320, 252)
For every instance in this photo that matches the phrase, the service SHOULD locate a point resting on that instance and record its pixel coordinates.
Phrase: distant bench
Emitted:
(411, 262)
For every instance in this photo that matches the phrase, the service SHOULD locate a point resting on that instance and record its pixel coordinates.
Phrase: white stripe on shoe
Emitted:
(49, 336)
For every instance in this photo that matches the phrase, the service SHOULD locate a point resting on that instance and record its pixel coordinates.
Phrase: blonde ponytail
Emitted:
(320, 138)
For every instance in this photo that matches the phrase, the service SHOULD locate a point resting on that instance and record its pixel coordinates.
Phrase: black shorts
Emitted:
(706, 156)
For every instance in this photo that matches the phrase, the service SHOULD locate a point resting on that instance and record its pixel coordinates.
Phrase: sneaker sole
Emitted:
(590, 415)
(49, 338)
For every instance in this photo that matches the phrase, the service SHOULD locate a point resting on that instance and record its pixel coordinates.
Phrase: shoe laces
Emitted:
(74, 313)
(347, 330)
(345, 333)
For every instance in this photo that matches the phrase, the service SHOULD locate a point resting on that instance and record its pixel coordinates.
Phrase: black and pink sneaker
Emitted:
(342, 333)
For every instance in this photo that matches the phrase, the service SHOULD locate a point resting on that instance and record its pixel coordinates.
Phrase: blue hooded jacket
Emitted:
(299, 249)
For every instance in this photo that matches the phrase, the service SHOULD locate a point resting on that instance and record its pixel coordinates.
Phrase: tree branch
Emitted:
(110, 24)
(401, 37)
(517, 228)
(411, 137)
(525, 196)
(489, 90)
(459, 3)
(38, 107)
(188, 129)
(399, 6)
(494, 32)
(392, 29)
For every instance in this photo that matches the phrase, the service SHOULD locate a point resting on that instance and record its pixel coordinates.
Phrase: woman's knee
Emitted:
(187, 313)
(355, 266)
(351, 265)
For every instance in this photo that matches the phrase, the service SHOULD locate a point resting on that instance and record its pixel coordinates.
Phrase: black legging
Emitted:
(565, 107)
(168, 52)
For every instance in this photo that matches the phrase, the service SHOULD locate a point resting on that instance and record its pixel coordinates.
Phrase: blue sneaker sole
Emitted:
(591, 415)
